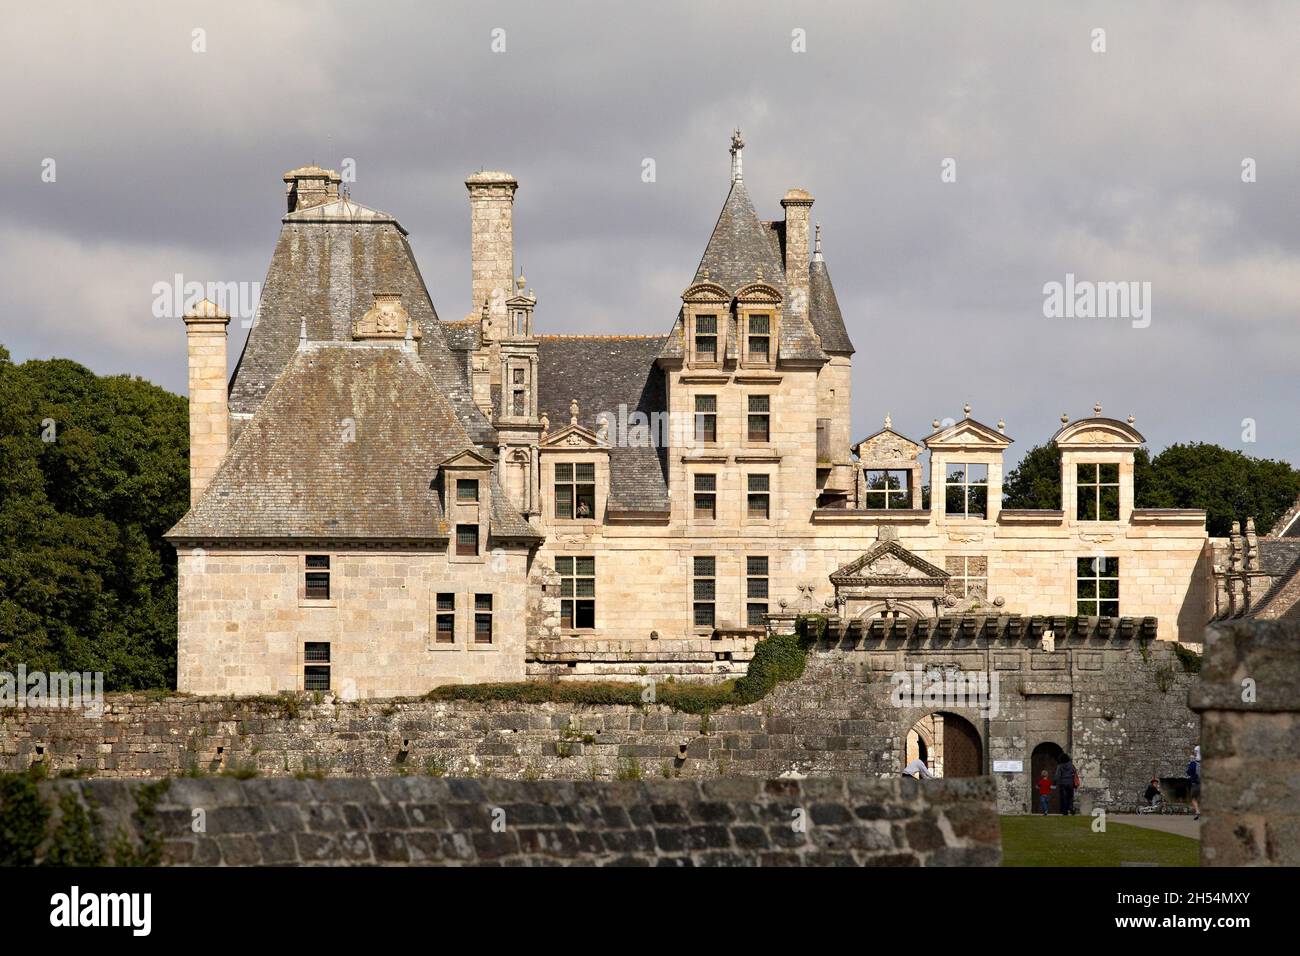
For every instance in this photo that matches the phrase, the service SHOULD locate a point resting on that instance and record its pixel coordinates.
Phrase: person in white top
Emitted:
(917, 768)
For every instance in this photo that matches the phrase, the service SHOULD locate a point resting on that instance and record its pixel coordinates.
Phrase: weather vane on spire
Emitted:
(737, 144)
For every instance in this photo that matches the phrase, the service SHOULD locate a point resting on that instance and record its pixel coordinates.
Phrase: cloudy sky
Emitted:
(1123, 165)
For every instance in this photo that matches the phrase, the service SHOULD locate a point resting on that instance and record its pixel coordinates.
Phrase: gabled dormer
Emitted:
(575, 474)
(966, 470)
(888, 471)
(758, 318)
(1097, 469)
(467, 502)
(706, 310)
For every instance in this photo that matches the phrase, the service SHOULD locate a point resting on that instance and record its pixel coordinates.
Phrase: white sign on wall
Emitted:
(1008, 766)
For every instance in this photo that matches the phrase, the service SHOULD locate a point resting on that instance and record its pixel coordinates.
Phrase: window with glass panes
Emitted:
(445, 619)
(316, 665)
(966, 490)
(704, 591)
(760, 338)
(577, 592)
(706, 418)
(316, 585)
(706, 338)
(467, 539)
(756, 590)
(760, 418)
(467, 489)
(706, 496)
(1098, 492)
(759, 503)
(888, 488)
(575, 490)
(482, 619)
(1098, 586)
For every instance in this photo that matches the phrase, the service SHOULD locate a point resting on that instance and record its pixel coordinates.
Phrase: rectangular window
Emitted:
(888, 488)
(482, 619)
(968, 576)
(756, 591)
(706, 338)
(760, 340)
(1098, 586)
(575, 490)
(760, 418)
(967, 490)
(1098, 492)
(316, 672)
(318, 577)
(704, 591)
(706, 418)
(467, 489)
(517, 403)
(445, 622)
(577, 592)
(760, 498)
(467, 539)
(706, 497)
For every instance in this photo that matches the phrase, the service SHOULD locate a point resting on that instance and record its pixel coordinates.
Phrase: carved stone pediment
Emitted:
(386, 319)
(887, 446)
(889, 563)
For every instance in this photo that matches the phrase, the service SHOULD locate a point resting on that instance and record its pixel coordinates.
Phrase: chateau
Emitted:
(384, 500)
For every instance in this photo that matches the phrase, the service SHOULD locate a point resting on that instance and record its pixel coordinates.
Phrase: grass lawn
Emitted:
(1069, 841)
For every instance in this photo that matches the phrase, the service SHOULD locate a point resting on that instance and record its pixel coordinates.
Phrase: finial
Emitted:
(935, 424)
(1250, 526)
(817, 243)
(573, 412)
(519, 283)
(1096, 409)
(1132, 419)
(602, 428)
(889, 422)
(966, 408)
(1002, 426)
(302, 331)
(704, 274)
(737, 144)
(758, 273)
(1065, 419)
(546, 424)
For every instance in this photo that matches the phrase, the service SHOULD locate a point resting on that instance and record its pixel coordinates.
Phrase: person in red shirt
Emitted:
(1045, 789)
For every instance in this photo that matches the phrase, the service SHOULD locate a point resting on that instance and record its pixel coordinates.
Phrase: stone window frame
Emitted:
(1086, 570)
(470, 484)
(705, 298)
(695, 601)
(436, 611)
(870, 495)
(480, 551)
(747, 583)
(965, 485)
(758, 393)
(695, 491)
(573, 576)
(757, 298)
(1096, 493)
(573, 483)
(336, 579)
(327, 664)
(964, 577)
(696, 414)
(745, 517)
(472, 643)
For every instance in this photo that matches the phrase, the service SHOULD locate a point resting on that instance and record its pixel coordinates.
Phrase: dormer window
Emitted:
(758, 339)
(575, 490)
(887, 488)
(966, 490)
(1098, 492)
(467, 490)
(466, 540)
(706, 339)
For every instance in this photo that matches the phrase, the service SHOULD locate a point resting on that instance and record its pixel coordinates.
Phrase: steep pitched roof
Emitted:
(824, 310)
(328, 262)
(603, 373)
(291, 474)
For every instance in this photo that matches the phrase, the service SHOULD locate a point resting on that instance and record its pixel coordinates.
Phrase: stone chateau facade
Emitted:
(384, 500)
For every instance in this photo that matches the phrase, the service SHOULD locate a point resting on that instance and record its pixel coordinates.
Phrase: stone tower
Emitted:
(517, 419)
(205, 333)
(492, 258)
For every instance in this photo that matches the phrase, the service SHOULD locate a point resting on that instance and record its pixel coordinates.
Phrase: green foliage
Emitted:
(147, 850)
(73, 842)
(629, 768)
(1164, 675)
(23, 817)
(1190, 660)
(776, 658)
(1226, 484)
(86, 581)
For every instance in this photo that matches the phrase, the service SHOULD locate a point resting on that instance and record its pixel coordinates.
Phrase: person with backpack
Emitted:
(1067, 779)
(1194, 778)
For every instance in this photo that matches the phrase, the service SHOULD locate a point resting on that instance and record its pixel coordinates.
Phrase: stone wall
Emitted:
(420, 820)
(1120, 710)
(1249, 701)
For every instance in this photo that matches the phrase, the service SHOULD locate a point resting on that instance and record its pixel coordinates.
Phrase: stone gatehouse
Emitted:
(384, 500)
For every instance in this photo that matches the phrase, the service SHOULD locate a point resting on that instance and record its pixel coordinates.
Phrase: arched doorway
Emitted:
(949, 744)
(1044, 757)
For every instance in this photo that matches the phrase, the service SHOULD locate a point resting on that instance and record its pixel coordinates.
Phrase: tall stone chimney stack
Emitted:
(492, 244)
(309, 186)
(205, 332)
(798, 208)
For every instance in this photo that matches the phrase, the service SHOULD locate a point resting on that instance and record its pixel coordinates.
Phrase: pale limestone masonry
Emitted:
(400, 821)
(205, 334)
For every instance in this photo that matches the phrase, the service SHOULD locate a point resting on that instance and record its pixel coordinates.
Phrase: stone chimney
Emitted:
(798, 206)
(205, 332)
(309, 186)
(492, 243)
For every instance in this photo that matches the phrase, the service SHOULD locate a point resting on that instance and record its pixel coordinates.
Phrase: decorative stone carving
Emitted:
(386, 319)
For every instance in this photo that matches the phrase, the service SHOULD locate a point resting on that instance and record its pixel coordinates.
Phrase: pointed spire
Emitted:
(817, 243)
(737, 145)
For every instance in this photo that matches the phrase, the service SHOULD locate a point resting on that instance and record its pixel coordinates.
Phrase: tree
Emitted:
(93, 471)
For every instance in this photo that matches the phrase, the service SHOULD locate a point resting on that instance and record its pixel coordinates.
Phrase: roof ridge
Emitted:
(613, 336)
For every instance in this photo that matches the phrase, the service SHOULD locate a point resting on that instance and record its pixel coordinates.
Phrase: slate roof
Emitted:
(740, 247)
(824, 310)
(1276, 555)
(601, 373)
(328, 262)
(290, 475)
